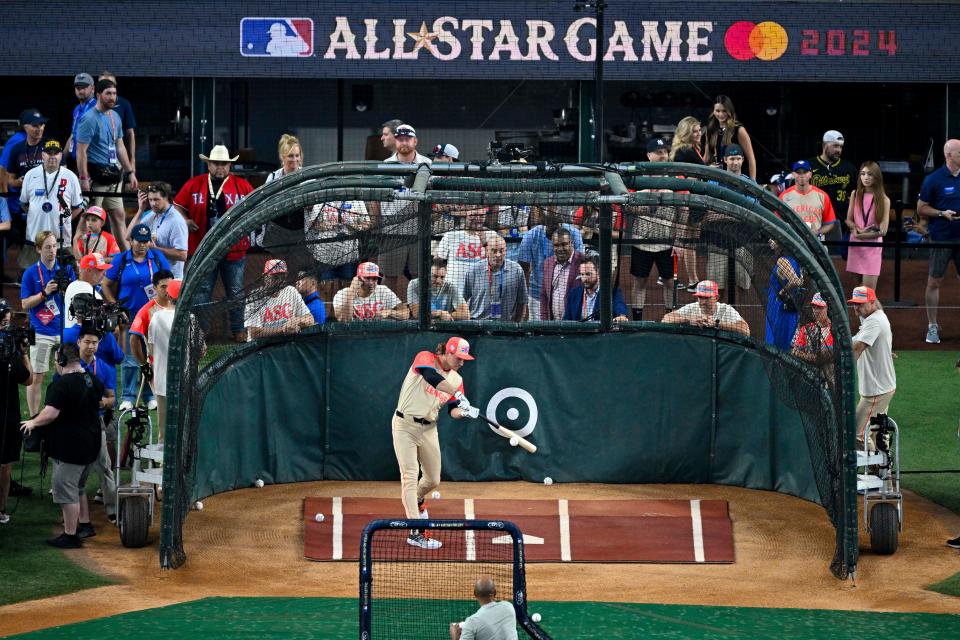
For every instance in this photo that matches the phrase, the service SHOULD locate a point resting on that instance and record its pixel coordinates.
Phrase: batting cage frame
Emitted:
(397, 529)
(749, 229)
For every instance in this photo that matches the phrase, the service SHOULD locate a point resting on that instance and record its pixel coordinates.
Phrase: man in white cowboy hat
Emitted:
(203, 200)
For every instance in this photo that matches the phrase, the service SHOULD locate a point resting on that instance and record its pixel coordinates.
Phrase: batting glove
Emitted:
(464, 404)
(472, 412)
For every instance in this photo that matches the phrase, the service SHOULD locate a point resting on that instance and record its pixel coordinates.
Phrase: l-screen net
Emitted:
(409, 593)
(521, 250)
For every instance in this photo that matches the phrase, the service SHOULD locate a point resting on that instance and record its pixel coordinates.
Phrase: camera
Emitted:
(12, 340)
(500, 152)
(61, 276)
(100, 315)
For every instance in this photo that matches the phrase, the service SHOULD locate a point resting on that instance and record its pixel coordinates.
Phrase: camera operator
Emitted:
(71, 422)
(92, 269)
(41, 294)
(14, 370)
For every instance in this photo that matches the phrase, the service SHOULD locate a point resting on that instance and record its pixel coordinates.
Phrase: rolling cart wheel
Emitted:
(134, 522)
(884, 528)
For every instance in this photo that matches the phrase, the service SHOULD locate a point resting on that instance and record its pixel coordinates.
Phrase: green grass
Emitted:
(304, 618)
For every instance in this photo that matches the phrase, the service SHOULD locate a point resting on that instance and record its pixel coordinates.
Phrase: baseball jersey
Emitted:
(159, 340)
(724, 313)
(277, 310)
(813, 207)
(367, 308)
(811, 337)
(193, 197)
(141, 322)
(41, 197)
(103, 242)
(837, 180)
(462, 249)
(418, 398)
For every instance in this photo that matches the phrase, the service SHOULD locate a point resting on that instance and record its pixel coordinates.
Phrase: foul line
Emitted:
(338, 528)
(471, 535)
(564, 531)
(697, 531)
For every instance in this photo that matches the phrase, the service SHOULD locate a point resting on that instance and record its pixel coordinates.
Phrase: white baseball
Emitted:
(435, 495)
(536, 617)
(319, 517)
(514, 441)
(198, 505)
(258, 484)
(548, 480)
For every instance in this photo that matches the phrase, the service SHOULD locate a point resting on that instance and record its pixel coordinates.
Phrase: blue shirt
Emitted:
(19, 136)
(537, 247)
(315, 304)
(78, 112)
(42, 318)
(109, 351)
(133, 277)
(941, 190)
(101, 131)
(170, 231)
(782, 323)
(124, 109)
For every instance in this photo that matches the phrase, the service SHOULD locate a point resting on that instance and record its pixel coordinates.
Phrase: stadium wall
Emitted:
(605, 408)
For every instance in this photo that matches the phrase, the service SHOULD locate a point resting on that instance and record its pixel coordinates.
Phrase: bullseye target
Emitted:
(513, 412)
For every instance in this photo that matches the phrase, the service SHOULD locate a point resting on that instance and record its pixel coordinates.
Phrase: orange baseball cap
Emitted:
(93, 261)
(173, 288)
(368, 271)
(97, 212)
(459, 347)
(274, 267)
(863, 294)
(818, 300)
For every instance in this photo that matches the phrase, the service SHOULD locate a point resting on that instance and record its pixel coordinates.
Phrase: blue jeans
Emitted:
(231, 275)
(130, 373)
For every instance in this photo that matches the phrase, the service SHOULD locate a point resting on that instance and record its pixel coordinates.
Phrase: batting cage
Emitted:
(649, 323)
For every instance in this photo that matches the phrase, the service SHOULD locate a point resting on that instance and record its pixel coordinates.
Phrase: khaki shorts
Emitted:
(107, 202)
(69, 481)
(41, 352)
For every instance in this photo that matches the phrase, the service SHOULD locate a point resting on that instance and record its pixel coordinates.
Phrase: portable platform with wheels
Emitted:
(878, 480)
(135, 500)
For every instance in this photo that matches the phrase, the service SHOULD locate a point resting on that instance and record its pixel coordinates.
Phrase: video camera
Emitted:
(12, 341)
(102, 316)
(500, 152)
(65, 261)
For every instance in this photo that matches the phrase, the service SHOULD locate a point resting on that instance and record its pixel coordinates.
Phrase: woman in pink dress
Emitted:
(867, 219)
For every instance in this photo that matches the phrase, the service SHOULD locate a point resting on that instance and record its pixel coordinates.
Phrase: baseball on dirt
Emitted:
(258, 484)
(319, 517)
(548, 480)
(198, 505)
(536, 617)
(514, 441)
(435, 495)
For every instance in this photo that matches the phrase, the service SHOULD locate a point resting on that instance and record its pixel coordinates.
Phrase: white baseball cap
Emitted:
(833, 136)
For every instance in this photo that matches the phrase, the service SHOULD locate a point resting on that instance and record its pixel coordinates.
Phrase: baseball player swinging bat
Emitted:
(506, 433)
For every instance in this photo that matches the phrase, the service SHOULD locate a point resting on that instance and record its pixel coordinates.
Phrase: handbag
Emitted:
(104, 173)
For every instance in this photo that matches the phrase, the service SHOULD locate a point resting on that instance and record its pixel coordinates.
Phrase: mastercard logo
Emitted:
(747, 40)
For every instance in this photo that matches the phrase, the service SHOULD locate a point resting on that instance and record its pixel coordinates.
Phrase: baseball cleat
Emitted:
(422, 506)
(420, 540)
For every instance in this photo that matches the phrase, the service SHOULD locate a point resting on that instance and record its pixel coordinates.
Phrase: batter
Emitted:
(432, 381)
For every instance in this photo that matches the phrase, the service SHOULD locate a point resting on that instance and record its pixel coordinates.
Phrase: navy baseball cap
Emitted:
(732, 150)
(141, 233)
(801, 165)
(656, 144)
(31, 116)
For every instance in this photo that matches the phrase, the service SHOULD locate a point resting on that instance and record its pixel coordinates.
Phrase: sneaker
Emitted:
(64, 541)
(17, 490)
(659, 281)
(99, 497)
(422, 541)
(4, 517)
(933, 334)
(954, 543)
(126, 405)
(152, 404)
(422, 506)
(85, 530)
(112, 518)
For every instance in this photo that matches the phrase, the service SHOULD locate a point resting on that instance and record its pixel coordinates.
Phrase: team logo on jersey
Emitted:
(747, 40)
(512, 413)
(276, 37)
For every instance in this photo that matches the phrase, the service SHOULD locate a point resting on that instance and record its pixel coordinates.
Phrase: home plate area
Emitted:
(668, 531)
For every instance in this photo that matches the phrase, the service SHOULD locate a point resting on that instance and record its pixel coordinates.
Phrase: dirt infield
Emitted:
(250, 543)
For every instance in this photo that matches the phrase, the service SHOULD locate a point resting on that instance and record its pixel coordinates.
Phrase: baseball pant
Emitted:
(868, 407)
(417, 448)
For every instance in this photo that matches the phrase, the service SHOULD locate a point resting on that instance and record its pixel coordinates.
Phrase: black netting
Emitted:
(520, 251)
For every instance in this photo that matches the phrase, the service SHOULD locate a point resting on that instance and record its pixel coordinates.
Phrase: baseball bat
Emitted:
(506, 433)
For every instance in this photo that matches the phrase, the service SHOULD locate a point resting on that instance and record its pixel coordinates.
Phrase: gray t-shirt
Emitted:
(496, 295)
(875, 373)
(446, 299)
(493, 621)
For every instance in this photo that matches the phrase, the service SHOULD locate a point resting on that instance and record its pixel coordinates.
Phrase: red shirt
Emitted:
(87, 243)
(193, 199)
(141, 323)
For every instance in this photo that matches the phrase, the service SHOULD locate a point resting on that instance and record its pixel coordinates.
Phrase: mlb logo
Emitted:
(276, 37)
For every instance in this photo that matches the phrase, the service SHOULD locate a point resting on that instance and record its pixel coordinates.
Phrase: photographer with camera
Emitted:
(14, 370)
(41, 293)
(71, 429)
(92, 269)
